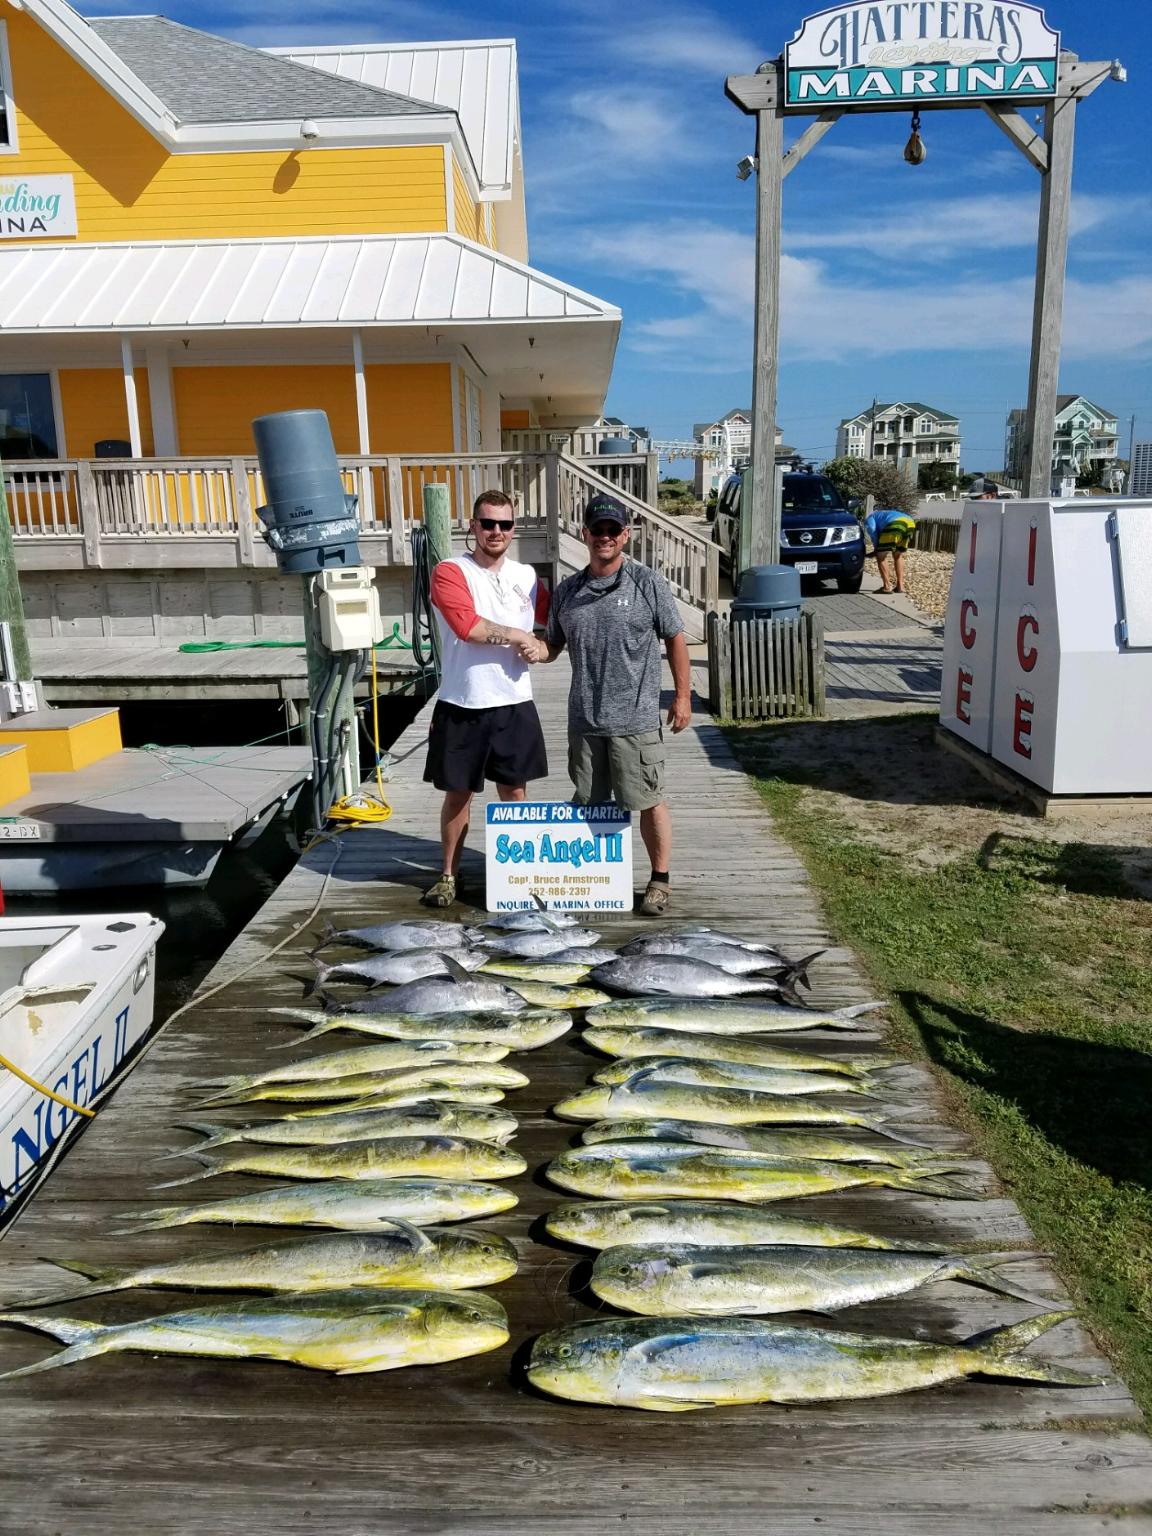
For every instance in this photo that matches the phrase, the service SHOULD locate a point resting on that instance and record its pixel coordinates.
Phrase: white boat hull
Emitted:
(77, 1005)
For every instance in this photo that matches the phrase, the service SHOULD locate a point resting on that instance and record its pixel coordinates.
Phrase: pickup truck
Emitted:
(820, 533)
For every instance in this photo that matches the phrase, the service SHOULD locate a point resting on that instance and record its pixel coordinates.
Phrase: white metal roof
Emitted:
(477, 80)
(378, 280)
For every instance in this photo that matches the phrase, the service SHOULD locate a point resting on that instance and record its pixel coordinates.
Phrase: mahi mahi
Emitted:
(519, 1032)
(718, 1223)
(715, 1282)
(705, 1017)
(778, 1143)
(349, 1332)
(426, 1118)
(726, 1074)
(449, 1260)
(556, 974)
(360, 1207)
(484, 1077)
(671, 1170)
(388, 1157)
(628, 1041)
(673, 1364)
(368, 1059)
(713, 1106)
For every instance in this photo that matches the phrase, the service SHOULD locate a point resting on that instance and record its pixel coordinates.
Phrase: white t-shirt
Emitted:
(477, 676)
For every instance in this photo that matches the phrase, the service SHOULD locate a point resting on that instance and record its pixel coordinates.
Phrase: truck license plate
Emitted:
(21, 831)
(807, 567)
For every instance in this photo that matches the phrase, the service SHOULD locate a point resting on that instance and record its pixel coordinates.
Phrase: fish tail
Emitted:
(154, 1220)
(68, 1356)
(311, 984)
(982, 1270)
(217, 1135)
(920, 1183)
(798, 972)
(69, 1330)
(298, 1015)
(191, 1178)
(843, 1017)
(881, 1126)
(327, 935)
(106, 1279)
(999, 1353)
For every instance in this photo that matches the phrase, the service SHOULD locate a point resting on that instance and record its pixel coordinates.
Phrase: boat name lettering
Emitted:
(605, 848)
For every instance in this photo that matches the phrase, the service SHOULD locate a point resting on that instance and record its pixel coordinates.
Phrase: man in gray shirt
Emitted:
(612, 617)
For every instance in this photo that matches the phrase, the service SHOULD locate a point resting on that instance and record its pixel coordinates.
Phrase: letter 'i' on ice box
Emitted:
(963, 695)
(1022, 725)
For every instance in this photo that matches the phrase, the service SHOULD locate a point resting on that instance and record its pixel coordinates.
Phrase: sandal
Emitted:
(442, 894)
(655, 899)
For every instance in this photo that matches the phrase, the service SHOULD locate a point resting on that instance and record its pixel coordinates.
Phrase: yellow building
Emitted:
(194, 232)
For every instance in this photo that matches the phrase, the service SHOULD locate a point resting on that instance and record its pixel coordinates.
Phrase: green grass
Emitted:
(1021, 967)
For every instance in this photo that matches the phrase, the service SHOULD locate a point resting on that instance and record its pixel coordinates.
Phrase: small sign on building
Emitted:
(37, 207)
(930, 51)
(573, 858)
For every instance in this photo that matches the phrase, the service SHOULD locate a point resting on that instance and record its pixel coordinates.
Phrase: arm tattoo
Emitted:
(495, 635)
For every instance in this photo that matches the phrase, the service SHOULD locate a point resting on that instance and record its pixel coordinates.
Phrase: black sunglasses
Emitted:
(490, 525)
(607, 531)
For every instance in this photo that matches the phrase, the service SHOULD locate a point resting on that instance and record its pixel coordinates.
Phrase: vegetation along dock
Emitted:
(203, 1448)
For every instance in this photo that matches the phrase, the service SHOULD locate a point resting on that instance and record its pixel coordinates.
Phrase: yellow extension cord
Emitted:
(47, 1092)
(361, 810)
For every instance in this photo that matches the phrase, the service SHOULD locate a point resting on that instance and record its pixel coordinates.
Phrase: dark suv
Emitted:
(820, 535)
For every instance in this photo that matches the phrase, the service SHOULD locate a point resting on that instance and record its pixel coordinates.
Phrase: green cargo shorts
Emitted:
(627, 769)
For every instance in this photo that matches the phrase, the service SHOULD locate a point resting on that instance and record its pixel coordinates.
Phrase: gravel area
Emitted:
(928, 577)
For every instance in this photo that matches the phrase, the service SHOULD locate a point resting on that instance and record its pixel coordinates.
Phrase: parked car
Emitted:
(820, 533)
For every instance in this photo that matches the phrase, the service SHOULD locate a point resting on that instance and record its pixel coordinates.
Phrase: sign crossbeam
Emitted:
(853, 58)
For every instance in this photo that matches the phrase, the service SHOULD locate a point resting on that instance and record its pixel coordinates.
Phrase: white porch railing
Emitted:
(97, 512)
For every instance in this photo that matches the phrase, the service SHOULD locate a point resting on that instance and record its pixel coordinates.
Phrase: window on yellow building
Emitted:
(27, 419)
(7, 107)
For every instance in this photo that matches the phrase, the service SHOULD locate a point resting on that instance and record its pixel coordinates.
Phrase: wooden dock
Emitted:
(202, 1448)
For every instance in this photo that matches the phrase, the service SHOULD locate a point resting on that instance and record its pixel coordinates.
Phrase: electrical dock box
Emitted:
(1048, 641)
(348, 606)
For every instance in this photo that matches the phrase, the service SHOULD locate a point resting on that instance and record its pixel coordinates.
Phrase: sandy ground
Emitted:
(902, 791)
(928, 578)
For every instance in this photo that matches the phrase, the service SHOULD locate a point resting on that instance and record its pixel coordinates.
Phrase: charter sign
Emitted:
(573, 858)
(922, 51)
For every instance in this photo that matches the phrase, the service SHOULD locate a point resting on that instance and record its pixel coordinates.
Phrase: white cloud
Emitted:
(931, 230)
(711, 272)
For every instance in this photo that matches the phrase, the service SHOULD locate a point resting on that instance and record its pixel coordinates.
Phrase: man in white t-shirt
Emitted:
(485, 725)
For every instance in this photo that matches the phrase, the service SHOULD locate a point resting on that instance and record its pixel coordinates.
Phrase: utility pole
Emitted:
(872, 433)
(11, 602)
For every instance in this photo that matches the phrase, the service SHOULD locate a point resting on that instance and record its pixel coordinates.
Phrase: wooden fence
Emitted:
(766, 669)
(937, 535)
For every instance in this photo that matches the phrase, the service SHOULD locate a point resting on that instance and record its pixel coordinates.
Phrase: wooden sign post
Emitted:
(860, 57)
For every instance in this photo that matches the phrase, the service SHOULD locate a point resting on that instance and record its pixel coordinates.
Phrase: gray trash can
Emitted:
(768, 592)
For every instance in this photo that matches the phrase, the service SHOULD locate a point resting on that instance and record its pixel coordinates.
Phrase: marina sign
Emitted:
(37, 207)
(575, 858)
(921, 51)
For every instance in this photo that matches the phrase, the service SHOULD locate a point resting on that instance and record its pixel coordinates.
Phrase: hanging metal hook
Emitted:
(914, 151)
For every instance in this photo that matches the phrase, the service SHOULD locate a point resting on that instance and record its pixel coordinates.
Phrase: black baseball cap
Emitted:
(606, 509)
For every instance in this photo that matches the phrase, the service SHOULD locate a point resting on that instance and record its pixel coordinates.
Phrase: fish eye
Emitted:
(564, 1351)
(475, 1315)
(625, 1269)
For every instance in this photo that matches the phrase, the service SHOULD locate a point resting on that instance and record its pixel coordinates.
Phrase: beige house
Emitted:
(903, 431)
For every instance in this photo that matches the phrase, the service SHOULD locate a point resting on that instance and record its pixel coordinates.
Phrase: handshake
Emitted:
(528, 647)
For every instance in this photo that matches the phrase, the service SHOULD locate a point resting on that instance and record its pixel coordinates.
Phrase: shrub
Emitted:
(873, 477)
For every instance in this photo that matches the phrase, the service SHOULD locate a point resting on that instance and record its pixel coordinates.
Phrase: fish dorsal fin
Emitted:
(418, 1241)
(549, 921)
(641, 1075)
(455, 969)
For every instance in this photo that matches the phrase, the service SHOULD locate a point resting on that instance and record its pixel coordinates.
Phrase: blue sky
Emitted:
(898, 281)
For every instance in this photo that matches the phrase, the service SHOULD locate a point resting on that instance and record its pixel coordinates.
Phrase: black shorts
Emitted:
(467, 746)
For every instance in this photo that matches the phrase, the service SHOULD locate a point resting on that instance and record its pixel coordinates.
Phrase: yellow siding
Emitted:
(94, 408)
(409, 407)
(465, 209)
(129, 188)
(215, 407)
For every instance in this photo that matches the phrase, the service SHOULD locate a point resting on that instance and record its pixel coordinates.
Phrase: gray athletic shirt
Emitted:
(613, 626)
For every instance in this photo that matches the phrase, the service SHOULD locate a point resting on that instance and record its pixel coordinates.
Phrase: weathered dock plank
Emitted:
(201, 1448)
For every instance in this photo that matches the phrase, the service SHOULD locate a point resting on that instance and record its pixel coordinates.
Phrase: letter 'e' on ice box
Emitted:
(969, 661)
